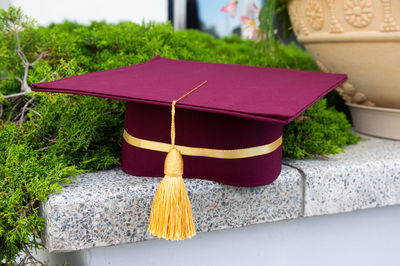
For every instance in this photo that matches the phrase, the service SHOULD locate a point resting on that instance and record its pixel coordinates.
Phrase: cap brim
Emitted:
(259, 93)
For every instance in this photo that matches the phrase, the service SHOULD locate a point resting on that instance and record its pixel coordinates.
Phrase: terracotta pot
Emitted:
(357, 37)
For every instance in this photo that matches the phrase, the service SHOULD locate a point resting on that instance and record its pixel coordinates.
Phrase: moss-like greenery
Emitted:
(319, 130)
(62, 135)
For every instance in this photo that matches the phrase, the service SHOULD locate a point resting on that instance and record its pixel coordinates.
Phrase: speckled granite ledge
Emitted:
(111, 207)
(366, 176)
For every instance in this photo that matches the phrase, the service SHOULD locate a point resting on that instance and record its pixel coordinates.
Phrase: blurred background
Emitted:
(204, 15)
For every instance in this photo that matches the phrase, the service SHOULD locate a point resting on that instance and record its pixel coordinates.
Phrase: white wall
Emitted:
(4, 3)
(84, 11)
(369, 238)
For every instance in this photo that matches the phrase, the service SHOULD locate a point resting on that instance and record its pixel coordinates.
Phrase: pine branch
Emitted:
(26, 64)
(24, 110)
(19, 94)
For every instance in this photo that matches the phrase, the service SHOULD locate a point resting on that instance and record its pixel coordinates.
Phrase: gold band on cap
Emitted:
(204, 152)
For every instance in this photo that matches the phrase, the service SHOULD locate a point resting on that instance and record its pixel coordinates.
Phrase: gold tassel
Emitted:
(171, 213)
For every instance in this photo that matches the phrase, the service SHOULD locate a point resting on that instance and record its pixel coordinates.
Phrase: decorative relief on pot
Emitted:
(294, 18)
(335, 25)
(303, 27)
(315, 14)
(350, 94)
(358, 13)
(389, 24)
(360, 38)
(347, 91)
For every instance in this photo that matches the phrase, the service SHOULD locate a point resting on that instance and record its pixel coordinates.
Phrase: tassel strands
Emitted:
(171, 212)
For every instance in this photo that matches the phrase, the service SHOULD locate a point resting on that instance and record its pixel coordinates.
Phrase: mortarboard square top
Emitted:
(230, 128)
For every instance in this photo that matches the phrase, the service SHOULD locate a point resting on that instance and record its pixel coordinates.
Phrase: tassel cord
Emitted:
(171, 211)
(173, 134)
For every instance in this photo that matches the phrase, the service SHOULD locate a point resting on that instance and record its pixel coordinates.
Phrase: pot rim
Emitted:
(367, 36)
(382, 109)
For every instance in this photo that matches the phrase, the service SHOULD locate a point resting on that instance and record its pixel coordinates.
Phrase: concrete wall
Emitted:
(84, 11)
(369, 238)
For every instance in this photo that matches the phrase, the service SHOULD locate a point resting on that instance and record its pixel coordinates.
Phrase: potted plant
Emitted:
(360, 38)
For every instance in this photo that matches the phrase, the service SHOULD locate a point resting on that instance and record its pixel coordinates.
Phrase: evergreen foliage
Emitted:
(64, 135)
(319, 130)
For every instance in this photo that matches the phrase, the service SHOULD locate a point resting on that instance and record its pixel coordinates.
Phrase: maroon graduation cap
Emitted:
(229, 119)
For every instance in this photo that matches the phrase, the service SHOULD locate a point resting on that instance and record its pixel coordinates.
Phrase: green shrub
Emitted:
(319, 130)
(63, 135)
